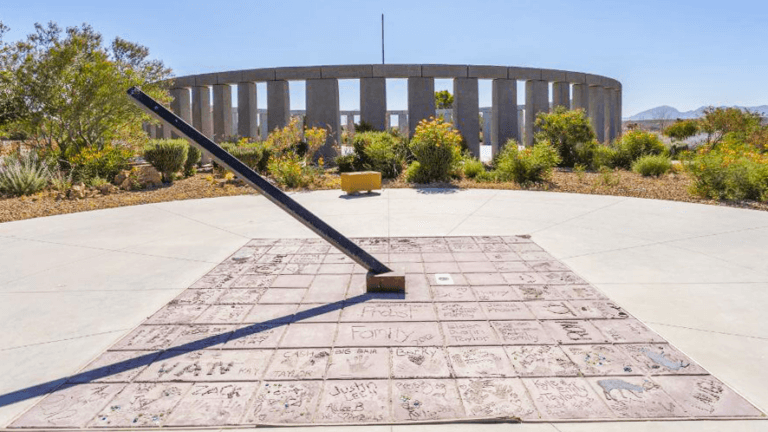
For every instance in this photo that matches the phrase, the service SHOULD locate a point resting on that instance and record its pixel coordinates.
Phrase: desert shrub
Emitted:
(634, 144)
(414, 173)
(253, 154)
(288, 170)
(193, 157)
(61, 181)
(93, 162)
(364, 126)
(472, 167)
(346, 163)
(652, 165)
(487, 177)
(437, 148)
(732, 171)
(682, 129)
(97, 182)
(167, 156)
(569, 132)
(375, 151)
(526, 166)
(608, 177)
(603, 156)
(23, 174)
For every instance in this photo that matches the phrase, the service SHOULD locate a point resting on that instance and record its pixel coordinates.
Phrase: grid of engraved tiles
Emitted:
(283, 332)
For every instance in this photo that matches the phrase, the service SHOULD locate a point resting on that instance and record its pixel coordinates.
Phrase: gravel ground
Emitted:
(621, 183)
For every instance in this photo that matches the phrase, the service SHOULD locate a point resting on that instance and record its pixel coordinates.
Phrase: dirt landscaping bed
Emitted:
(672, 187)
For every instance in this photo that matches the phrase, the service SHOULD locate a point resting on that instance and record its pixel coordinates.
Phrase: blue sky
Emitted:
(681, 53)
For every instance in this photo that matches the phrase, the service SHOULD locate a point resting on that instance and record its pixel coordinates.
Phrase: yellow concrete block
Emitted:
(352, 182)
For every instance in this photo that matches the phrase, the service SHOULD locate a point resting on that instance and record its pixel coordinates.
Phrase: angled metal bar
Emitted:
(272, 193)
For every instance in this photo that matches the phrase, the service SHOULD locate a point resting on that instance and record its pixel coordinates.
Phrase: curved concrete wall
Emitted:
(600, 96)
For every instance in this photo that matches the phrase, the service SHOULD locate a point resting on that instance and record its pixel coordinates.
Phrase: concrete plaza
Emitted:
(72, 285)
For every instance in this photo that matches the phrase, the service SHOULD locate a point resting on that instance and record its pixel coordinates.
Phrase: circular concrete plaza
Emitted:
(74, 286)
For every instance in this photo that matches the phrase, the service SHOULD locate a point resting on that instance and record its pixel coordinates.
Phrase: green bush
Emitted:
(253, 154)
(472, 167)
(652, 165)
(288, 170)
(437, 148)
(682, 129)
(634, 144)
(732, 171)
(415, 174)
(167, 156)
(530, 165)
(571, 134)
(91, 162)
(193, 157)
(603, 156)
(346, 163)
(23, 174)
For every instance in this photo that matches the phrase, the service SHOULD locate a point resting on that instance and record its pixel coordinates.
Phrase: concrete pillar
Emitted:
(487, 123)
(278, 105)
(580, 97)
(466, 112)
(350, 123)
(617, 113)
(222, 111)
(561, 95)
(596, 111)
(402, 122)
(323, 112)
(504, 124)
(202, 120)
(609, 126)
(536, 101)
(152, 131)
(181, 106)
(373, 102)
(421, 101)
(263, 126)
(247, 110)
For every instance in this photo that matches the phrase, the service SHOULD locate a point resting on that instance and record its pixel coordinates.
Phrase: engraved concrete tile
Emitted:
(272, 313)
(480, 362)
(262, 242)
(437, 257)
(327, 288)
(304, 335)
(566, 399)
(523, 278)
(525, 247)
(197, 297)
(292, 281)
(177, 314)
(441, 267)
(337, 258)
(313, 248)
(389, 334)
(601, 360)
(506, 397)
(464, 311)
(537, 292)
(434, 248)
(662, 359)
(460, 333)
(300, 269)
(561, 278)
(148, 337)
(502, 256)
(506, 310)
(627, 330)
(275, 259)
(255, 336)
(452, 293)
(141, 405)
(522, 333)
(385, 312)
(216, 281)
(580, 292)
(550, 309)
(282, 296)
(267, 269)
(464, 247)
(359, 363)
(307, 259)
(241, 296)
(511, 266)
(419, 362)
(598, 309)
(115, 367)
(417, 287)
(470, 256)
(477, 267)
(231, 269)
(254, 281)
(405, 257)
(194, 337)
(706, 396)
(547, 266)
(488, 239)
(496, 293)
(224, 314)
(283, 249)
(335, 269)
(284, 402)
(536, 256)
(574, 332)
(540, 361)
(212, 404)
(475, 279)
(635, 397)
(354, 401)
(69, 407)
(496, 247)
(296, 364)
(314, 312)
(425, 399)
(225, 365)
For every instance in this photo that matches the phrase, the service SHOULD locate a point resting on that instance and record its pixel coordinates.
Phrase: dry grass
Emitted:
(620, 183)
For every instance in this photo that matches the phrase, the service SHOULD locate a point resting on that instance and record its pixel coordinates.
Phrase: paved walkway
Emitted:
(696, 274)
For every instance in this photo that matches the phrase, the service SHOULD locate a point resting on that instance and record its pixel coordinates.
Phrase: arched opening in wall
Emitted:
(297, 91)
(261, 103)
(485, 103)
(445, 112)
(349, 107)
(397, 103)
(521, 110)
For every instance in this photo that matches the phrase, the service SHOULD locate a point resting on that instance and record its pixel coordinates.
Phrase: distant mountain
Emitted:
(665, 112)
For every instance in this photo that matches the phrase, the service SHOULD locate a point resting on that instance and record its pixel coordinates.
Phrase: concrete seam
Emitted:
(472, 214)
(709, 331)
(199, 221)
(578, 216)
(62, 340)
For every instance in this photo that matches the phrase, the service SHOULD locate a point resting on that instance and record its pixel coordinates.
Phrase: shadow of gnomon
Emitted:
(179, 350)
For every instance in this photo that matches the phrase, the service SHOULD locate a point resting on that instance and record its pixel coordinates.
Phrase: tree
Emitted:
(682, 129)
(67, 92)
(569, 132)
(443, 99)
(718, 122)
